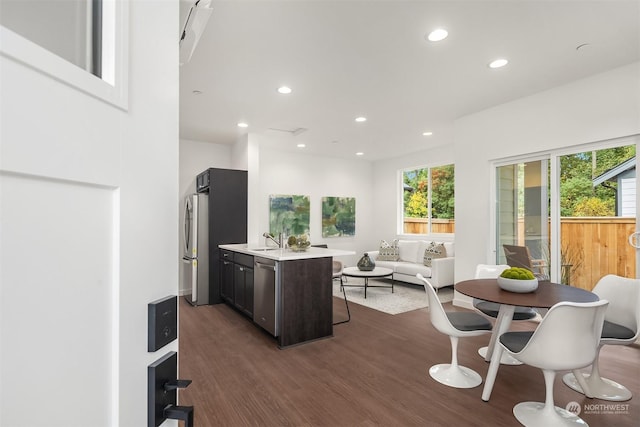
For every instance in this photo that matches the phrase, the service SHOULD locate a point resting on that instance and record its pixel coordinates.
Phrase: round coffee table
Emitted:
(377, 272)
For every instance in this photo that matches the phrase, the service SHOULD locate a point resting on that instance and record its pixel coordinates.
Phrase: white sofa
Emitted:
(440, 274)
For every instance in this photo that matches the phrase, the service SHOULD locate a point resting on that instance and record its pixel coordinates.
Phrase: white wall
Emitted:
(195, 157)
(89, 207)
(598, 108)
(283, 172)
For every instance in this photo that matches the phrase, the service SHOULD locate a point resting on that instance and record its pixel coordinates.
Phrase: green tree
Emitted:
(577, 172)
(418, 182)
(594, 206)
(575, 165)
(443, 192)
(417, 205)
(573, 190)
(612, 157)
(416, 199)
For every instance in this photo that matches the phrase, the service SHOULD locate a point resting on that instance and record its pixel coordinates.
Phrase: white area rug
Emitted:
(404, 298)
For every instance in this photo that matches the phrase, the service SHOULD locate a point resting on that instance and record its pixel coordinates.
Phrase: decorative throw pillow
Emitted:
(389, 252)
(435, 250)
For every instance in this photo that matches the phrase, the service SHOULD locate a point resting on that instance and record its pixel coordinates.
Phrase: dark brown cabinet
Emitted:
(226, 276)
(227, 190)
(291, 299)
(236, 281)
(243, 289)
(306, 302)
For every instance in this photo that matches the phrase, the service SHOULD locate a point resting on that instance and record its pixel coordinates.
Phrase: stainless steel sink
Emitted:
(267, 249)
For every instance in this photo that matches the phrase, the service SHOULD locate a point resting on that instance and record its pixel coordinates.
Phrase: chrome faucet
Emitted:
(279, 242)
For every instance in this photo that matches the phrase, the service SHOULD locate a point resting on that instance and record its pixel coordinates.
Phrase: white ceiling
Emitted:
(345, 59)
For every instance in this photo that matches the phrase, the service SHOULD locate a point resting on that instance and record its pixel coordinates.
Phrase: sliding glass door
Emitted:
(575, 213)
(597, 214)
(523, 214)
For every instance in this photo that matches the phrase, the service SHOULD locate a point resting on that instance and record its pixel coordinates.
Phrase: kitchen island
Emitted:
(287, 293)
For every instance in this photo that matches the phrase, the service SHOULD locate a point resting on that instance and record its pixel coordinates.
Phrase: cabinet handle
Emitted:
(226, 262)
(225, 255)
(241, 268)
(265, 266)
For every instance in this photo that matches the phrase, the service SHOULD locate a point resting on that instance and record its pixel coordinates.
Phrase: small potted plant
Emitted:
(516, 279)
(298, 243)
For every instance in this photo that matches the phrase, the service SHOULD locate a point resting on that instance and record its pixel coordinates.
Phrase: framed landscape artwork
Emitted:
(338, 216)
(288, 214)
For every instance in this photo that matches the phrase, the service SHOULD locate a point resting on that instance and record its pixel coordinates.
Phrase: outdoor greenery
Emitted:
(578, 197)
(429, 192)
(416, 194)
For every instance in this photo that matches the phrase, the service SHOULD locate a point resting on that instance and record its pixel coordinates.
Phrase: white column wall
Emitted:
(88, 219)
(250, 152)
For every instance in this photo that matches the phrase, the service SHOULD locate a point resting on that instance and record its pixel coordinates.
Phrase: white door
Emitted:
(89, 225)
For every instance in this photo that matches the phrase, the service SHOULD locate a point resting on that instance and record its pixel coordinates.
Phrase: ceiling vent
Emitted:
(291, 131)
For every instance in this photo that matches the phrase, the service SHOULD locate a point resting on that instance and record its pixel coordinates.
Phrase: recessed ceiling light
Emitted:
(359, 153)
(243, 125)
(437, 35)
(301, 145)
(498, 63)
(285, 90)
(427, 133)
(361, 119)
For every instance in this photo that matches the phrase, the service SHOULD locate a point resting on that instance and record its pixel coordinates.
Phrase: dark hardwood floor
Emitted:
(373, 372)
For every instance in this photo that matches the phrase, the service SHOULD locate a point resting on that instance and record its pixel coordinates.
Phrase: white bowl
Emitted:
(519, 286)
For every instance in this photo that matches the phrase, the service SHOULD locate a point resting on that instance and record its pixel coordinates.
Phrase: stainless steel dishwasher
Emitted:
(265, 294)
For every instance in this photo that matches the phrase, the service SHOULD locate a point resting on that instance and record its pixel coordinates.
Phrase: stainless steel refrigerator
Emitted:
(196, 249)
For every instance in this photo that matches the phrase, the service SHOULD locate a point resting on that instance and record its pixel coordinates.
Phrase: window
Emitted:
(428, 200)
(72, 29)
(73, 41)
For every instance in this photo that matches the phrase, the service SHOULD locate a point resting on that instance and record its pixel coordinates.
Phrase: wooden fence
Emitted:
(597, 246)
(591, 246)
(421, 226)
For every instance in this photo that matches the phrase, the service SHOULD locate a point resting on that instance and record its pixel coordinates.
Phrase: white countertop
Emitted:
(285, 254)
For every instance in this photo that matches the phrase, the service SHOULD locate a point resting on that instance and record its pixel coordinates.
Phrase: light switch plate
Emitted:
(163, 322)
